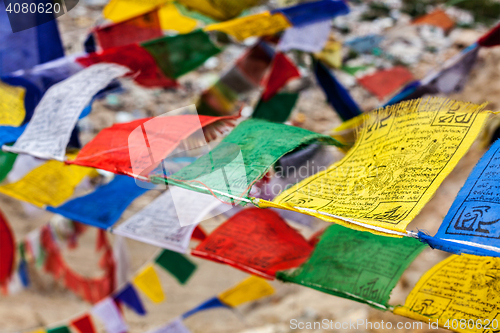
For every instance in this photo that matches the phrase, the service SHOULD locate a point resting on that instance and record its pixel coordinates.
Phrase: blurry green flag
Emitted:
(277, 109)
(356, 265)
(6, 163)
(176, 264)
(242, 158)
(180, 54)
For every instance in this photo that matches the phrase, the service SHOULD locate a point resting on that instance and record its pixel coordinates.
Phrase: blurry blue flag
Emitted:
(312, 12)
(130, 298)
(472, 225)
(103, 207)
(9, 134)
(27, 48)
(209, 304)
(336, 94)
(364, 44)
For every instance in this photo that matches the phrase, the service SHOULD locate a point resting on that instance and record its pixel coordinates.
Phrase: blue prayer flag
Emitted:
(336, 94)
(129, 297)
(209, 304)
(103, 207)
(472, 225)
(312, 12)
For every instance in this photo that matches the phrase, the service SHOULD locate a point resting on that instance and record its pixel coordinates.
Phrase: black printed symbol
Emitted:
(368, 290)
(426, 308)
(474, 219)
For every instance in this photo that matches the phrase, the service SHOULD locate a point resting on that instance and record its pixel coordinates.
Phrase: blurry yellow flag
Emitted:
(121, 10)
(148, 282)
(41, 330)
(402, 155)
(250, 289)
(172, 19)
(262, 24)
(220, 10)
(50, 184)
(331, 53)
(12, 110)
(461, 293)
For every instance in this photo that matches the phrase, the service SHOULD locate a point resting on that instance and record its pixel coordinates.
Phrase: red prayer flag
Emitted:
(199, 233)
(7, 250)
(282, 71)
(437, 18)
(387, 81)
(135, 30)
(83, 324)
(257, 241)
(491, 38)
(254, 63)
(143, 66)
(144, 141)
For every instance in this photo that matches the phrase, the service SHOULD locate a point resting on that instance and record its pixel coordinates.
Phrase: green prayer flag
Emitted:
(353, 70)
(243, 157)
(180, 54)
(6, 163)
(60, 329)
(277, 109)
(176, 264)
(356, 265)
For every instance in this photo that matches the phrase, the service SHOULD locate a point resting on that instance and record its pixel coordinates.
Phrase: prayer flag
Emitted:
(384, 180)
(180, 54)
(12, 111)
(142, 64)
(256, 25)
(50, 184)
(220, 10)
(134, 30)
(282, 71)
(59, 329)
(238, 161)
(250, 289)
(209, 304)
(336, 94)
(103, 207)
(256, 241)
(169, 220)
(83, 324)
(48, 132)
(109, 314)
(148, 282)
(175, 326)
(472, 225)
(386, 81)
(176, 264)
(356, 265)
(277, 109)
(437, 18)
(491, 38)
(7, 250)
(311, 12)
(458, 289)
(129, 297)
(308, 38)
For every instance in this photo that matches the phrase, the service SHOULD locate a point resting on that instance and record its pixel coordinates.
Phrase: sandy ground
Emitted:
(46, 303)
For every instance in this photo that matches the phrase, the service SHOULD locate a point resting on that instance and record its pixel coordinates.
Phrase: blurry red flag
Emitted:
(491, 38)
(282, 71)
(437, 18)
(7, 250)
(257, 241)
(135, 30)
(83, 324)
(144, 68)
(387, 81)
(145, 141)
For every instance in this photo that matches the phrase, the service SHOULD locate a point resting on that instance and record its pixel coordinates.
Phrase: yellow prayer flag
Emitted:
(41, 330)
(262, 24)
(12, 110)
(402, 155)
(250, 289)
(331, 53)
(121, 10)
(172, 19)
(461, 293)
(50, 184)
(220, 10)
(148, 282)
